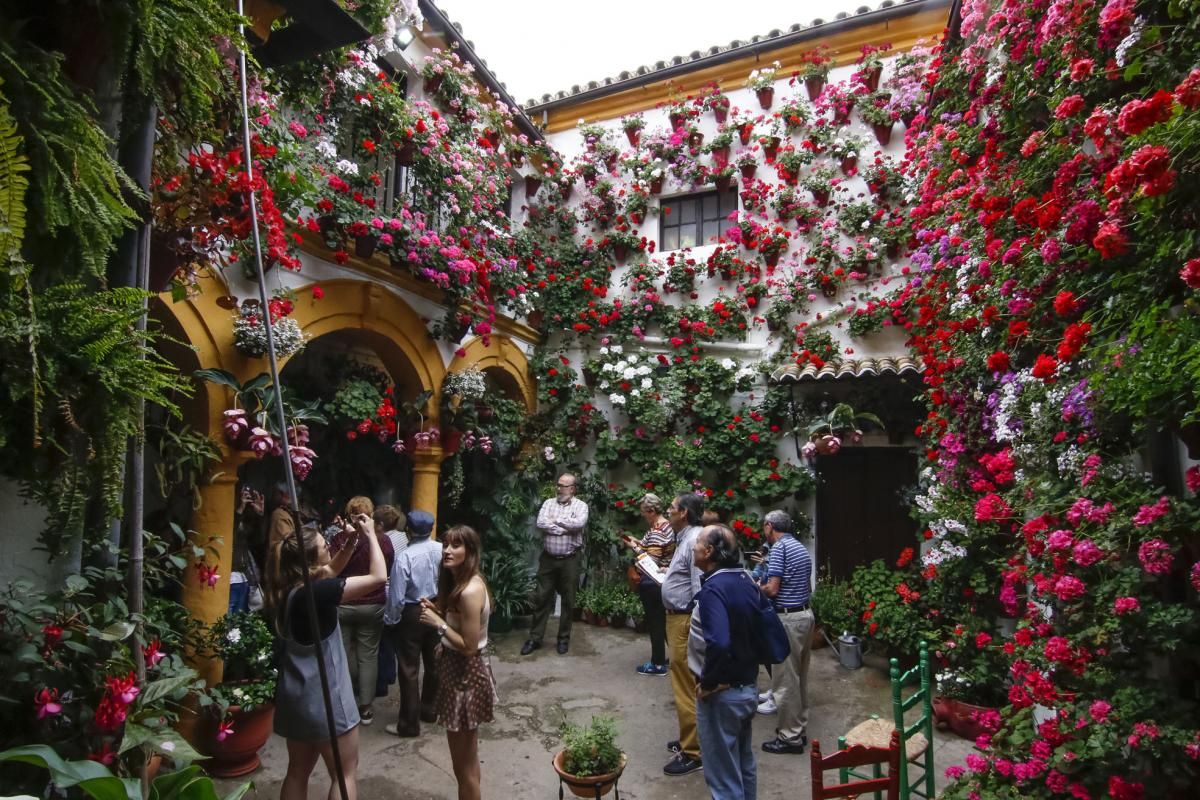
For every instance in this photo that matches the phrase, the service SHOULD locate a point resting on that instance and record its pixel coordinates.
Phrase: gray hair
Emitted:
(720, 538)
(692, 505)
(780, 521)
(651, 502)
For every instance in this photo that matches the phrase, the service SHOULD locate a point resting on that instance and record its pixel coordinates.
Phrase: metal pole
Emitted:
(281, 417)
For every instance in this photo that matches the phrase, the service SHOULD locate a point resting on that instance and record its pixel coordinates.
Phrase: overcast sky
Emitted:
(539, 46)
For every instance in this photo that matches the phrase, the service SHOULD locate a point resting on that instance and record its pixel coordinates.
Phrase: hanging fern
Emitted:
(76, 204)
(13, 184)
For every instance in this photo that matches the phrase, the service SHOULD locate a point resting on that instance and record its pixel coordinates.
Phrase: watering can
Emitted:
(848, 648)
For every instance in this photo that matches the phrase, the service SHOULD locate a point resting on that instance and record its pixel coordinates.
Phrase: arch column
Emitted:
(212, 530)
(427, 473)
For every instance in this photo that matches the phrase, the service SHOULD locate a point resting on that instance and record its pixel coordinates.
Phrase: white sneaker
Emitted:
(764, 696)
(767, 707)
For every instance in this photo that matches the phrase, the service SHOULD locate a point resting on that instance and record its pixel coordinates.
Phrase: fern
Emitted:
(13, 184)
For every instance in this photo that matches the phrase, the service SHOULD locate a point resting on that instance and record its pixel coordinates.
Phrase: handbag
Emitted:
(771, 645)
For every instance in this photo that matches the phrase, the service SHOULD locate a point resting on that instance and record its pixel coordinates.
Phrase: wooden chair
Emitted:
(857, 756)
(917, 738)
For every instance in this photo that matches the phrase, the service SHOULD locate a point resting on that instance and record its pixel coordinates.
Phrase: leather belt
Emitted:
(792, 609)
(559, 558)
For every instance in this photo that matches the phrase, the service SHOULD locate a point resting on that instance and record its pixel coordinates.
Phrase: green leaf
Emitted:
(156, 690)
(219, 377)
(118, 631)
(90, 776)
(76, 584)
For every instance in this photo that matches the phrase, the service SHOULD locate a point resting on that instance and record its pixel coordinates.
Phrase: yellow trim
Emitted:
(504, 355)
(903, 33)
(378, 269)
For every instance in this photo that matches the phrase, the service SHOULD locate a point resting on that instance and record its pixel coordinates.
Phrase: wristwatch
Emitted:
(441, 629)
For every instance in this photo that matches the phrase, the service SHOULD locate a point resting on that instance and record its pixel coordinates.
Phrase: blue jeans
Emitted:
(726, 747)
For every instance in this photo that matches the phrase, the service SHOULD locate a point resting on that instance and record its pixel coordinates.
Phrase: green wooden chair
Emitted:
(917, 737)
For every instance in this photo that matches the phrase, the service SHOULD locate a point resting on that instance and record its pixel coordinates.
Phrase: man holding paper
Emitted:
(654, 553)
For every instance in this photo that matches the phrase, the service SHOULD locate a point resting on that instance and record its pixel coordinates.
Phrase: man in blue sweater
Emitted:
(721, 654)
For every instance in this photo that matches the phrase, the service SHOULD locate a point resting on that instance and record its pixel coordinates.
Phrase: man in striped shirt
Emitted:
(789, 585)
(561, 521)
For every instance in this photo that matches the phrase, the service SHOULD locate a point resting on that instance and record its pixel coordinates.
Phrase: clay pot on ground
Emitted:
(591, 786)
(958, 716)
(237, 753)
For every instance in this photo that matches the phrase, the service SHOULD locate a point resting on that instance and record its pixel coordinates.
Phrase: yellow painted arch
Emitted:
(504, 355)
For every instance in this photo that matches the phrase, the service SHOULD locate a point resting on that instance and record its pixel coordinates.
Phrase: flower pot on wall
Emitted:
(696, 139)
(406, 154)
(532, 184)
(820, 196)
(633, 135)
(327, 223)
(814, 86)
(364, 245)
(656, 185)
(517, 158)
(883, 133)
(771, 146)
(745, 132)
(871, 78)
(433, 84)
(620, 253)
(829, 289)
(723, 183)
(771, 258)
(849, 165)
(789, 177)
(676, 119)
(451, 440)
(720, 114)
(610, 162)
(748, 172)
(766, 96)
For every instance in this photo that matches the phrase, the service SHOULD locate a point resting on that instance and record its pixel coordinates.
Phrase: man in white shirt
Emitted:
(561, 522)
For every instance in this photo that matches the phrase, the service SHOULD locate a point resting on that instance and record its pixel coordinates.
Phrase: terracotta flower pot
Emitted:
(610, 162)
(789, 177)
(958, 716)
(765, 96)
(771, 146)
(492, 138)
(721, 157)
(532, 184)
(535, 318)
(814, 87)
(829, 289)
(748, 172)
(676, 119)
(591, 786)
(451, 440)
(406, 154)
(723, 183)
(237, 753)
(745, 132)
(871, 78)
(849, 165)
(433, 84)
(771, 258)
(620, 253)
(656, 186)
(636, 217)
(883, 133)
(721, 113)
(328, 224)
(634, 135)
(696, 139)
(820, 196)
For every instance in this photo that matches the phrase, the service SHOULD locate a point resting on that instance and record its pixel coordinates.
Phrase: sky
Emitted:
(540, 46)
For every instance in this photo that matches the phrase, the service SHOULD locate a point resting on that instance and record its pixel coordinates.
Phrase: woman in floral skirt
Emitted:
(466, 688)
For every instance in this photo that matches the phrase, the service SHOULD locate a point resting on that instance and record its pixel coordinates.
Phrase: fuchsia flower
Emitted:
(1194, 576)
(46, 702)
(225, 730)
(123, 690)
(153, 653)
(207, 575)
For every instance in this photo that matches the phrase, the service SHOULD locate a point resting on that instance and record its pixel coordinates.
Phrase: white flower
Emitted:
(647, 383)
(326, 149)
(629, 374)
(616, 348)
(635, 393)
(728, 363)
(548, 454)
(346, 167)
(606, 368)
(604, 350)
(616, 399)
(234, 635)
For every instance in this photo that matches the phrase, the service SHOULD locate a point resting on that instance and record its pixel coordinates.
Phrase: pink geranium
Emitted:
(1126, 605)
(1155, 556)
(1069, 588)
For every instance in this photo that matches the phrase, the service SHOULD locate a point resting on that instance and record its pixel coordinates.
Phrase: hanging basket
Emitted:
(634, 135)
(765, 96)
(814, 87)
(883, 133)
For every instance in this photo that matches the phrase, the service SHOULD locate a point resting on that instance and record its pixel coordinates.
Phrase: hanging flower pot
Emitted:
(883, 133)
(745, 132)
(771, 258)
(814, 86)
(532, 184)
(328, 225)
(695, 139)
(907, 116)
(610, 162)
(721, 157)
(451, 440)
(766, 96)
(406, 154)
(771, 146)
(517, 158)
(871, 78)
(820, 196)
(789, 177)
(364, 245)
(721, 113)
(566, 188)
(492, 137)
(829, 289)
(634, 135)
(749, 170)
(892, 249)
(433, 84)
(849, 165)
(676, 118)
(620, 252)
(656, 185)
(636, 217)
(535, 318)
(723, 182)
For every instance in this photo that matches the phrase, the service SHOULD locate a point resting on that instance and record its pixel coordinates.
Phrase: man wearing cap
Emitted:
(414, 578)
(561, 522)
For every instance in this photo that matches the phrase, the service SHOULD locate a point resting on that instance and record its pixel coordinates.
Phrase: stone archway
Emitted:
(506, 362)
(380, 316)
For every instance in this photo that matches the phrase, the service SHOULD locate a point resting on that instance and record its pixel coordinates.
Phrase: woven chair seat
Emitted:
(878, 732)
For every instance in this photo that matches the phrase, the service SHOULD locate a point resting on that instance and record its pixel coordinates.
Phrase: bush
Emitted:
(885, 614)
(592, 749)
(833, 603)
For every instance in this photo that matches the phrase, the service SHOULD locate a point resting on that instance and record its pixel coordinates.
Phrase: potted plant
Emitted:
(719, 147)
(814, 69)
(762, 83)
(846, 149)
(590, 762)
(249, 332)
(827, 432)
(747, 164)
(592, 135)
(795, 114)
(632, 125)
(789, 163)
(833, 605)
(244, 700)
(820, 184)
(716, 102)
(511, 585)
(879, 114)
(870, 66)
(972, 682)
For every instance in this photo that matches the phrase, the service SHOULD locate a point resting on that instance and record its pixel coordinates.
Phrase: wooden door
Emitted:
(863, 507)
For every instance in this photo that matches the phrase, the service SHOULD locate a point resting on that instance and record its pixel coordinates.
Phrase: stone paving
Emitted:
(597, 677)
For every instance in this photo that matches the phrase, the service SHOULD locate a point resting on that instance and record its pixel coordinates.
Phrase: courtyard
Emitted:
(596, 677)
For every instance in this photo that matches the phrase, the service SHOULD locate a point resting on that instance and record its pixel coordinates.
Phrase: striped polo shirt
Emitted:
(789, 561)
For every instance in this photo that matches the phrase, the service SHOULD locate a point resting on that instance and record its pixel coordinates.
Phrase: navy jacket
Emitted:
(728, 605)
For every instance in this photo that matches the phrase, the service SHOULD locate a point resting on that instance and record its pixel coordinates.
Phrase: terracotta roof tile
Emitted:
(850, 368)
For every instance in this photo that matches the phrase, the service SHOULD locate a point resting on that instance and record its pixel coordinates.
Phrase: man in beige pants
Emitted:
(679, 589)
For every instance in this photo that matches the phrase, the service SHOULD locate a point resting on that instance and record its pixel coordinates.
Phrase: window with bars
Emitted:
(695, 219)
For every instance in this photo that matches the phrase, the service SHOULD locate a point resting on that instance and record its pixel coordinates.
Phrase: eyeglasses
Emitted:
(566, 486)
